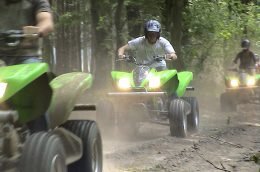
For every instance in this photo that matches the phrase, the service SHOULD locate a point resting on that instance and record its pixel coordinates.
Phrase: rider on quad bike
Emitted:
(35, 105)
(150, 45)
(242, 86)
(35, 18)
(246, 57)
(149, 92)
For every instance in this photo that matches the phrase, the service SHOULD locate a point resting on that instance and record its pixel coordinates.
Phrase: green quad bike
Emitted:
(29, 92)
(147, 95)
(241, 88)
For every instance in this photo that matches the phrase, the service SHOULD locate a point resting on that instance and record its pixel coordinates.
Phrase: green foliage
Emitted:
(210, 28)
(70, 18)
(148, 9)
(221, 20)
(70, 13)
(210, 25)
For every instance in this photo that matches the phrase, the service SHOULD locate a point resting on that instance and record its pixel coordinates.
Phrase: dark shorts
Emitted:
(20, 60)
(160, 68)
(250, 71)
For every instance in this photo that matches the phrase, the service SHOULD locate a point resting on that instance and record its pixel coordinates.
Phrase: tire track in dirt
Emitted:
(224, 143)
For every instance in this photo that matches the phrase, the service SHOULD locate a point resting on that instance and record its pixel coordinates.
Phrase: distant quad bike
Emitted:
(147, 95)
(241, 87)
(29, 92)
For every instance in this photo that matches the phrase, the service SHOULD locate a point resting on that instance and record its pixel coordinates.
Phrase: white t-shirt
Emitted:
(144, 51)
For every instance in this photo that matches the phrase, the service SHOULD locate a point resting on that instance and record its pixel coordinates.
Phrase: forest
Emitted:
(205, 34)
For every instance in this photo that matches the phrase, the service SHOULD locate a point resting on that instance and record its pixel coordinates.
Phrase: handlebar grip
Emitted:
(13, 38)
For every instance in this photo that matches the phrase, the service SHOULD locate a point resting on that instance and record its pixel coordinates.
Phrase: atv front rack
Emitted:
(144, 94)
(243, 88)
(134, 96)
(82, 107)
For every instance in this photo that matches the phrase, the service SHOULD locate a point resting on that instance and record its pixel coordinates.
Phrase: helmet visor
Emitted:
(153, 27)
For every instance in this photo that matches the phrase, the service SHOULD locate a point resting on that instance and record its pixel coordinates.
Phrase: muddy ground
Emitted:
(225, 142)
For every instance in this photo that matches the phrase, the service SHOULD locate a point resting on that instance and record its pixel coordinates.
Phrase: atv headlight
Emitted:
(3, 87)
(124, 83)
(234, 83)
(154, 82)
(250, 81)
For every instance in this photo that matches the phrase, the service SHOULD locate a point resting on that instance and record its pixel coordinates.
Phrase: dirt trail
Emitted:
(225, 142)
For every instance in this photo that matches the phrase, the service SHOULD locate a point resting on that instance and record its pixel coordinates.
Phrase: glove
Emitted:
(121, 56)
(170, 57)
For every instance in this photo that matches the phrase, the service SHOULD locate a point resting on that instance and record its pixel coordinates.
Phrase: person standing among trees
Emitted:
(150, 45)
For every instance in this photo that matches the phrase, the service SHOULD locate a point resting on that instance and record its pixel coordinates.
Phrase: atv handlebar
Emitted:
(13, 38)
(233, 69)
(132, 59)
(236, 69)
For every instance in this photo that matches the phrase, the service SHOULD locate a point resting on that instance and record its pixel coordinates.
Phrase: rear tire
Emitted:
(91, 160)
(193, 117)
(177, 118)
(43, 152)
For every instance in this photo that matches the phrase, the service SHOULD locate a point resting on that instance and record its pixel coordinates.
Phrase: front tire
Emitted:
(43, 152)
(91, 160)
(178, 118)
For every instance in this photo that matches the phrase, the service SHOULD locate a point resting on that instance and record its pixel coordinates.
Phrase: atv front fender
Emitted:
(184, 80)
(66, 89)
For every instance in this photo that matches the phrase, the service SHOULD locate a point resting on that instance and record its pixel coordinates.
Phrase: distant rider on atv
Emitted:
(31, 16)
(246, 57)
(150, 45)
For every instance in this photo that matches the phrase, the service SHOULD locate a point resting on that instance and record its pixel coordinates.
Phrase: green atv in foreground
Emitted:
(29, 92)
(241, 87)
(149, 95)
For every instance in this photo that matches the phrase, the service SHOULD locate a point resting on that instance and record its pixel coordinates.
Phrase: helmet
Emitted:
(245, 43)
(152, 26)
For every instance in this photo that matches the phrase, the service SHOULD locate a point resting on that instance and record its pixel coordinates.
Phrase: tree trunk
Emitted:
(173, 22)
(102, 61)
(133, 14)
(68, 42)
(119, 24)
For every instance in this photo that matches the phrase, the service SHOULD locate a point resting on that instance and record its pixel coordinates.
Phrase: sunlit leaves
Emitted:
(210, 25)
(223, 18)
(70, 18)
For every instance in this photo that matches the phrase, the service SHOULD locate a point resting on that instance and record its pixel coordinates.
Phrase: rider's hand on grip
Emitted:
(121, 56)
(170, 57)
(31, 31)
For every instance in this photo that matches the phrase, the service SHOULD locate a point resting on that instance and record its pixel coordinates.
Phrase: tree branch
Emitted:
(223, 168)
(223, 141)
